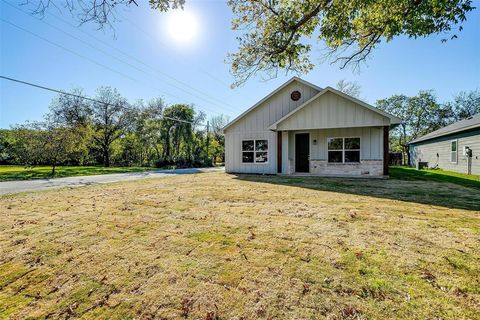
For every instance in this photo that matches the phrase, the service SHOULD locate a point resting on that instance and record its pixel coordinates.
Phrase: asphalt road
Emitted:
(9, 187)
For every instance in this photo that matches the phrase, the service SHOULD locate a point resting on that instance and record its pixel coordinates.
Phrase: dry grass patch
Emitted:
(217, 246)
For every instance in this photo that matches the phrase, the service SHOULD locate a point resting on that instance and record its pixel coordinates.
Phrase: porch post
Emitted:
(386, 130)
(285, 152)
(279, 151)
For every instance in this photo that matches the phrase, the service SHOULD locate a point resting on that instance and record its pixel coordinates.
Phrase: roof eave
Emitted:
(422, 139)
(394, 121)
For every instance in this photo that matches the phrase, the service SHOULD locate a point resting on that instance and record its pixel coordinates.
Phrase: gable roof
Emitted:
(469, 123)
(393, 119)
(269, 96)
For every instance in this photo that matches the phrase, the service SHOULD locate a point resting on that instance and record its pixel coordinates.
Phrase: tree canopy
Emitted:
(44, 142)
(274, 33)
(351, 88)
(422, 114)
(108, 130)
(101, 12)
(466, 104)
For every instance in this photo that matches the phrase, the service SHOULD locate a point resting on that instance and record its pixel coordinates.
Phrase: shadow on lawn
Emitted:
(421, 190)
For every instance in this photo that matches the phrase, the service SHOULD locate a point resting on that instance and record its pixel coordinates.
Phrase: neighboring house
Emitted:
(302, 128)
(447, 148)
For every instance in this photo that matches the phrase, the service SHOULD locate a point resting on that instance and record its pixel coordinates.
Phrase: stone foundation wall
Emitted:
(364, 168)
(291, 166)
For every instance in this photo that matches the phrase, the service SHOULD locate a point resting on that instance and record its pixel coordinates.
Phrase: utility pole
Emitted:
(208, 137)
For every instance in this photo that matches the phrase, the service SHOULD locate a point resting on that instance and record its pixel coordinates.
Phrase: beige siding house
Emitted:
(454, 148)
(301, 128)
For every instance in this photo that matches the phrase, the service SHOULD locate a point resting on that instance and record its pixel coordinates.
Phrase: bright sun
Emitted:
(182, 26)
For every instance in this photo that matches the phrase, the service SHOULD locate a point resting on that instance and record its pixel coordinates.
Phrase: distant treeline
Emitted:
(107, 130)
(423, 113)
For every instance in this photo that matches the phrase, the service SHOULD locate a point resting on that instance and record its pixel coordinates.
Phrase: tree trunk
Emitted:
(177, 147)
(405, 154)
(53, 170)
(167, 147)
(408, 155)
(106, 157)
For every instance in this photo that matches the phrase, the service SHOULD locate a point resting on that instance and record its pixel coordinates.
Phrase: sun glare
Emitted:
(182, 26)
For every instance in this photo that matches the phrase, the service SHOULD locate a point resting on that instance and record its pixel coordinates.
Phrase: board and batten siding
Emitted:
(255, 125)
(332, 111)
(371, 144)
(427, 151)
(371, 141)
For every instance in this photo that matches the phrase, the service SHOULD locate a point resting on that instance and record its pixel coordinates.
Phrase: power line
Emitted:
(89, 99)
(213, 99)
(149, 35)
(91, 60)
(201, 69)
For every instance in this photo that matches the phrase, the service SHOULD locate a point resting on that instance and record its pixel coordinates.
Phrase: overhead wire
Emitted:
(95, 62)
(211, 98)
(150, 36)
(38, 86)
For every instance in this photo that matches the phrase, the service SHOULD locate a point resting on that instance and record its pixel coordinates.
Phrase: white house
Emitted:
(301, 128)
(455, 147)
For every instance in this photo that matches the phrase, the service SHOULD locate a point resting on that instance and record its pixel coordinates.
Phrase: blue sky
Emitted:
(401, 66)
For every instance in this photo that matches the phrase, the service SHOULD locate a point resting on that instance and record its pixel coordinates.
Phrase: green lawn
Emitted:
(222, 246)
(407, 173)
(8, 173)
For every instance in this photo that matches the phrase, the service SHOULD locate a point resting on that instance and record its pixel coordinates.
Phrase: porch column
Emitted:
(285, 160)
(279, 151)
(386, 130)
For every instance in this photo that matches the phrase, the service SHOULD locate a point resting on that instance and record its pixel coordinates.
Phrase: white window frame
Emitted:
(456, 152)
(343, 150)
(255, 151)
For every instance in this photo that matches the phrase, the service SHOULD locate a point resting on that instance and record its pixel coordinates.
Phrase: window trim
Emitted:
(343, 150)
(255, 151)
(456, 152)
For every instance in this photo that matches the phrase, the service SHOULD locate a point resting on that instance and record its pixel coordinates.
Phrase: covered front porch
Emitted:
(349, 152)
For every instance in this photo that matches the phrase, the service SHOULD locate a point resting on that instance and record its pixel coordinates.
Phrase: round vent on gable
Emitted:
(296, 95)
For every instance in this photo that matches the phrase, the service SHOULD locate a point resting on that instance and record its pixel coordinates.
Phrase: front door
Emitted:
(302, 152)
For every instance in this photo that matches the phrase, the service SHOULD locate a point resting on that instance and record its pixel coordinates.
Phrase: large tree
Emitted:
(275, 32)
(103, 120)
(142, 140)
(466, 104)
(44, 143)
(351, 88)
(74, 112)
(101, 12)
(7, 145)
(217, 148)
(71, 109)
(176, 131)
(109, 119)
(421, 114)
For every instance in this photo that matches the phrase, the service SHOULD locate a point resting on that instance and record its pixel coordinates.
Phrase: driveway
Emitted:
(9, 187)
